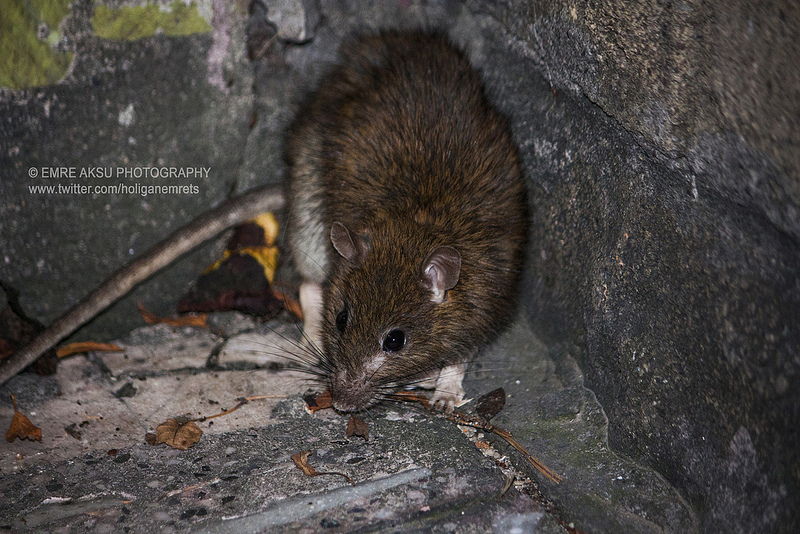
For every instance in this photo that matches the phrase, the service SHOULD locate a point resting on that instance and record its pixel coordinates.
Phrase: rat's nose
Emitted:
(349, 404)
(351, 395)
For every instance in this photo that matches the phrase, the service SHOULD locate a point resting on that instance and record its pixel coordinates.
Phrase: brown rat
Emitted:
(407, 217)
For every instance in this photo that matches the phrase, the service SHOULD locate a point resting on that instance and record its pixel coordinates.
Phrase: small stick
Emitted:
(196, 486)
(478, 422)
(506, 435)
(242, 402)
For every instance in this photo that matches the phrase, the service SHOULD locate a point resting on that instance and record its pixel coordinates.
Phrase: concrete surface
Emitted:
(418, 471)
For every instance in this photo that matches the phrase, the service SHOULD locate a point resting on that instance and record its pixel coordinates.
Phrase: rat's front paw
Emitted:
(446, 400)
(449, 392)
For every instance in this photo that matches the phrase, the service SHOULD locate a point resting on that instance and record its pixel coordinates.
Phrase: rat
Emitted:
(407, 218)
(407, 222)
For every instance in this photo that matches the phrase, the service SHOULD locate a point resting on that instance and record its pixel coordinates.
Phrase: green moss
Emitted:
(136, 22)
(51, 11)
(26, 60)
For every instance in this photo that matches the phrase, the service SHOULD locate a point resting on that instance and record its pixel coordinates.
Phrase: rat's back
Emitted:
(400, 128)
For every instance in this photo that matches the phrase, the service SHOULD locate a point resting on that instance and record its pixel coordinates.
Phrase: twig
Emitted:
(478, 422)
(242, 402)
(196, 486)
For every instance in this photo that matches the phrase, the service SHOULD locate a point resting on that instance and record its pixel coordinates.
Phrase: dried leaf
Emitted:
(177, 434)
(290, 304)
(322, 401)
(241, 279)
(21, 427)
(238, 283)
(267, 257)
(301, 461)
(199, 319)
(269, 223)
(259, 232)
(490, 404)
(357, 427)
(86, 346)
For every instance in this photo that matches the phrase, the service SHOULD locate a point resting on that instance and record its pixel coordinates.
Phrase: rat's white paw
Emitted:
(449, 392)
(446, 401)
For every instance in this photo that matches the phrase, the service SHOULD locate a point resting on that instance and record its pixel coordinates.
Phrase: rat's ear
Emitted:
(440, 271)
(352, 249)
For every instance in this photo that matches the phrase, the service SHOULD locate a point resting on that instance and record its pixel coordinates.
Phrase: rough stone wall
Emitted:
(667, 236)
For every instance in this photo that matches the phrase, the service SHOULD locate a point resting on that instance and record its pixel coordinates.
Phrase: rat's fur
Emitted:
(401, 147)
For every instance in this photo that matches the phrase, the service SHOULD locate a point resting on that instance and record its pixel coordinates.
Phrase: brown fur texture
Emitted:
(400, 145)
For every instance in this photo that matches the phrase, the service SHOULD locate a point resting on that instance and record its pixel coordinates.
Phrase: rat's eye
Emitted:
(394, 341)
(341, 320)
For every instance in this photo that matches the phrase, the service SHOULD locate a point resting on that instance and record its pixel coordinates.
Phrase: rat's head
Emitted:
(387, 306)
